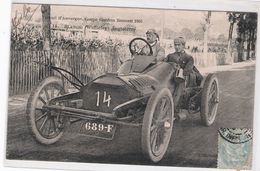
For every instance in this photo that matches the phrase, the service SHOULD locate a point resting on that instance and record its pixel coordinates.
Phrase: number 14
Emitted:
(106, 98)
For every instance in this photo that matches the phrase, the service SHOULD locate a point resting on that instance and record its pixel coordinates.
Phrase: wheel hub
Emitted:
(167, 124)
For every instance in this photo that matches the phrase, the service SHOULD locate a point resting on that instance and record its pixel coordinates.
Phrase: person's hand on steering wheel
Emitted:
(145, 50)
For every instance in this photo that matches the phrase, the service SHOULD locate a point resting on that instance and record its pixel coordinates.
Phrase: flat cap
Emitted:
(152, 31)
(179, 40)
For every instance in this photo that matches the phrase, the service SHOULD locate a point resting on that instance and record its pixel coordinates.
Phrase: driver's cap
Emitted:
(153, 31)
(179, 40)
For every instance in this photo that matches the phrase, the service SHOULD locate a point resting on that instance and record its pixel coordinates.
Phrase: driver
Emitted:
(152, 38)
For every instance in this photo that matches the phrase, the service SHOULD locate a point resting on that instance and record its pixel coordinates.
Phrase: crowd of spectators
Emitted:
(217, 49)
(211, 49)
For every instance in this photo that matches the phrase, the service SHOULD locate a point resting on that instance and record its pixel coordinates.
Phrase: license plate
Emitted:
(97, 129)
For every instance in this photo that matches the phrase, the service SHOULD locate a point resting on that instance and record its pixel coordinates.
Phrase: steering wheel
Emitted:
(138, 51)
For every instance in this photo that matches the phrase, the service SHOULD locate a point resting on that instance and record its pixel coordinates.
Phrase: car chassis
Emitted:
(148, 102)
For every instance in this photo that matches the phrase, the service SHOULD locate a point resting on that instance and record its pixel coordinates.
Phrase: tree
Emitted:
(246, 31)
(46, 25)
(187, 33)
(168, 33)
(205, 27)
(232, 18)
(221, 38)
(198, 33)
(251, 33)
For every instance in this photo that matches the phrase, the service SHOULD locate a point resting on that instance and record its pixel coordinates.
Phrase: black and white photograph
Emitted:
(132, 86)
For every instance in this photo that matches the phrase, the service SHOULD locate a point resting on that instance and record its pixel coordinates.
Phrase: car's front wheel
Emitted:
(45, 126)
(157, 124)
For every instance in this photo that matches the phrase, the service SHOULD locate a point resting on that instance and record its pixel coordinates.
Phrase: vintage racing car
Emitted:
(139, 94)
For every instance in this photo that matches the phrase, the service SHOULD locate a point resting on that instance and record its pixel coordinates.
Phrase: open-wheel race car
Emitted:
(141, 93)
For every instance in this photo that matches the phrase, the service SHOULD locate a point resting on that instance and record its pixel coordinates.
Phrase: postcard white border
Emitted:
(215, 5)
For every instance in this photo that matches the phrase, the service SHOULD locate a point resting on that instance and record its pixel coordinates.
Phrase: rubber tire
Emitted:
(31, 110)
(204, 110)
(147, 121)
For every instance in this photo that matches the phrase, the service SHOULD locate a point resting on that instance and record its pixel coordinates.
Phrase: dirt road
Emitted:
(191, 144)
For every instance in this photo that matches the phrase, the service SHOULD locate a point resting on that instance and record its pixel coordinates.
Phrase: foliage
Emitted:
(169, 33)
(199, 33)
(221, 38)
(187, 33)
(246, 33)
(32, 39)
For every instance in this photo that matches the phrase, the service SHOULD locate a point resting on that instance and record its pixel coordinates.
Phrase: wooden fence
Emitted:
(86, 65)
(24, 73)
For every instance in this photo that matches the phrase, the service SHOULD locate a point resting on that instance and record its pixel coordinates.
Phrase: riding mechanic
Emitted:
(184, 61)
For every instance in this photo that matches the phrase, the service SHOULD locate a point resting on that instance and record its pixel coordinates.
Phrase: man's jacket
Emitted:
(185, 61)
(158, 51)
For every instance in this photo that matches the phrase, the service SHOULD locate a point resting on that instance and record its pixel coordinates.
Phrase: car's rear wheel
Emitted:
(209, 100)
(45, 126)
(157, 124)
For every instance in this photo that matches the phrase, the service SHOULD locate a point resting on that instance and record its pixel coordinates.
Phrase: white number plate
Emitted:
(99, 129)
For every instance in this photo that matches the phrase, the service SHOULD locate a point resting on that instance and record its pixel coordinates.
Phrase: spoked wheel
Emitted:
(46, 126)
(209, 100)
(157, 124)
